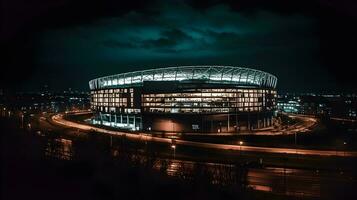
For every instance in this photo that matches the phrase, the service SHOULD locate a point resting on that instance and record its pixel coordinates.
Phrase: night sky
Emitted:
(311, 46)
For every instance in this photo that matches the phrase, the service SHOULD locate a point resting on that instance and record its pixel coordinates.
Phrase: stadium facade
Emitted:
(185, 99)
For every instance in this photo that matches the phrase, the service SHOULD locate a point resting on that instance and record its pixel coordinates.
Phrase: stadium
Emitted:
(185, 99)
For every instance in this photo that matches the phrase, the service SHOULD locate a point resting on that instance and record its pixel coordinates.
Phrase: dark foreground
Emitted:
(54, 167)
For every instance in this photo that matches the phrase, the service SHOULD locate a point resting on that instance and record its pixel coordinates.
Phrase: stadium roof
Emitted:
(211, 74)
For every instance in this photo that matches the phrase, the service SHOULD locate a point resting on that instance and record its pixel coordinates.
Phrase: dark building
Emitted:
(35, 102)
(342, 106)
(185, 99)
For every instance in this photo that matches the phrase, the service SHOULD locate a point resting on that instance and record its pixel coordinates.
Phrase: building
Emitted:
(343, 106)
(182, 99)
(289, 106)
(44, 101)
(288, 103)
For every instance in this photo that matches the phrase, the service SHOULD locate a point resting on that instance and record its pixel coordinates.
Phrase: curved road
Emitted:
(58, 119)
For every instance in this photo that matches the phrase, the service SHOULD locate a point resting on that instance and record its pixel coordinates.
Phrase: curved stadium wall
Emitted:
(201, 99)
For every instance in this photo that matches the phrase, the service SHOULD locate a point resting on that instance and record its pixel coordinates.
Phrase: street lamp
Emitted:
(295, 144)
(111, 140)
(146, 143)
(344, 149)
(240, 147)
(29, 125)
(174, 148)
(22, 120)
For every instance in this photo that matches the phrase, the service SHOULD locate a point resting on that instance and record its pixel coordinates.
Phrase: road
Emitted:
(305, 123)
(298, 182)
(59, 120)
(278, 180)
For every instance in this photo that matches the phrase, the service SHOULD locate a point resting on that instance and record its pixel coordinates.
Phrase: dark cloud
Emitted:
(168, 42)
(111, 43)
(290, 41)
(179, 34)
(216, 28)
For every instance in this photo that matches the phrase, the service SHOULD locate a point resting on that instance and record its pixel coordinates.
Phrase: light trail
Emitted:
(58, 119)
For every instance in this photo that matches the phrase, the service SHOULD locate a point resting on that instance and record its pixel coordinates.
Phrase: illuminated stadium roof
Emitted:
(210, 74)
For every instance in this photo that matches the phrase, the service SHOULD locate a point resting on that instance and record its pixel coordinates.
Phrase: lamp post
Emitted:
(22, 120)
(240, 148)
(344, 148)
(174, 148)
(146, 143)
(29, 126)
(295, 143)
(111, 140)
